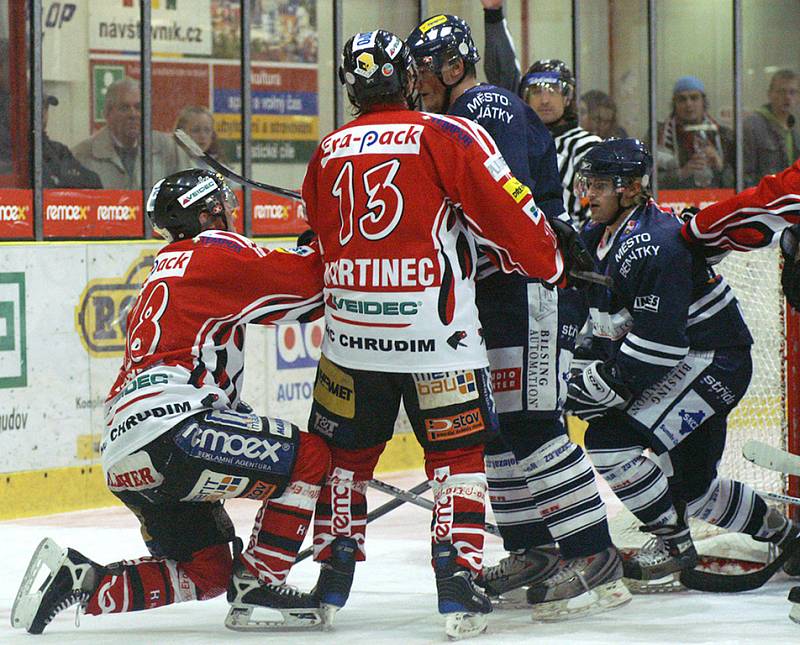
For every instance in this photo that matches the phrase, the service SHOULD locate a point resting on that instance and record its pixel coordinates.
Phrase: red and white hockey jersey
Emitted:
(186, 330)
(753, 218)
(399, 200)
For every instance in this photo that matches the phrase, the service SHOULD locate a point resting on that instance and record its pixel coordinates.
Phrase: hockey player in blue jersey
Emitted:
(530, 334)
(669, 360)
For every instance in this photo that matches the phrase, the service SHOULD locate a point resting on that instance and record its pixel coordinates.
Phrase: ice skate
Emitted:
(71, 581)
(336, 578)
(794, 598)
(463, 604)
(505, 581)
(248, 596)
(786, 533)
(580, 587)
(656, 567)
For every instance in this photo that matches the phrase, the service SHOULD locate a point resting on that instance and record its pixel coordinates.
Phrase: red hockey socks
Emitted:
(146, 583)
(342, 507)
(459, 493)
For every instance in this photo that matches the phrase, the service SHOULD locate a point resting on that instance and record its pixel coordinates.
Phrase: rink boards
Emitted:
(62, 318)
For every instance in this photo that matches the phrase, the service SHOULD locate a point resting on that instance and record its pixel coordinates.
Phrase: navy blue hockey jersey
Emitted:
(524, 141)
(666, 301)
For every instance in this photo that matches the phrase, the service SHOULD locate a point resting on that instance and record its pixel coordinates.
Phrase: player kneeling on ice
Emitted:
(178, 439)
(400, 201)
(669, 360)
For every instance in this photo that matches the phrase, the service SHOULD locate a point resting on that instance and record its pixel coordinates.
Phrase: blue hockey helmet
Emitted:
(377, 65)
(440, 39)
(620, 160)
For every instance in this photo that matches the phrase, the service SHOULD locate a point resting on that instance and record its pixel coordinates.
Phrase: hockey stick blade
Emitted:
(771, 458)
(596, 278)
(196, 152)
(373, 515)
(720, 583)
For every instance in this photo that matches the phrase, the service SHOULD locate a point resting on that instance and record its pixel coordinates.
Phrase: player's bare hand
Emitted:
(492, 4)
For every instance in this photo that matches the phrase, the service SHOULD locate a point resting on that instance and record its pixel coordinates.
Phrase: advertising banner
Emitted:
(92, 213)
(179, 26)
(276, 215)
(16, 214)
(285, 112)
(677, 200)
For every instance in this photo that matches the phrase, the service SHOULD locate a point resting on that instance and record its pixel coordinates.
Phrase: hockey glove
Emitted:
(576, 257)
(306, 237)
(790, 274)
(591, 392)
(711, 254)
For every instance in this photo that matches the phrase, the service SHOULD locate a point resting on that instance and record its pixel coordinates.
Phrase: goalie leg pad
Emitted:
(562, 483)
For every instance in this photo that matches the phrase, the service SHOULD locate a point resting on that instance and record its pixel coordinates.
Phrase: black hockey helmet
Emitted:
(620, 160)
(176, 202)
(376, 65)
(548, 72)
(440, 39)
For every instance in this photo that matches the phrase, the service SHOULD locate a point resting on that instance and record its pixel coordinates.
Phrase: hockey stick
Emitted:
(411, 497)
(772, 458)
(375, 514)
(196, 152)
(720, 583)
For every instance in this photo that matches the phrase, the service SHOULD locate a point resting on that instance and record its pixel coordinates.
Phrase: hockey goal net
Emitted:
(762, 413)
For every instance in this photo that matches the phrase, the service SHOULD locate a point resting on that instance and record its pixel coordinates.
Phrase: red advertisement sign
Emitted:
(699, 197)
(92, 213)
(276, 215)
(16, 214)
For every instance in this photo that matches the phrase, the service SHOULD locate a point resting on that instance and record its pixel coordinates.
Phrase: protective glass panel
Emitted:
(771, 87)
(286, 77)
(695, 148)
(16, 200)
(613, 87)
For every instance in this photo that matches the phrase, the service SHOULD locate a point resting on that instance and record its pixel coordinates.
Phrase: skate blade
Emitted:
(461, 625)
(513, 599)
(26, 604)
(670, 583)
(240, 619)
(602, 598)
(328, 613)
(794, 613)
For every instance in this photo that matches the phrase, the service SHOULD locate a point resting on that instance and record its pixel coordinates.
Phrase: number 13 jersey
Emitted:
(400, 201)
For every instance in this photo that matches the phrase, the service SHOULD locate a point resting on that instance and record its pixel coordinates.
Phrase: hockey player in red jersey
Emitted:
(178, 438)
(400, 201)
(752, 220)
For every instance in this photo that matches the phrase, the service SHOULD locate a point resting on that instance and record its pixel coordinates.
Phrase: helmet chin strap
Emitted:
(620, 210)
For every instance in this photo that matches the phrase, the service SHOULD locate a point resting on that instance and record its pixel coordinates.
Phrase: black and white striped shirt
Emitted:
(572, 142)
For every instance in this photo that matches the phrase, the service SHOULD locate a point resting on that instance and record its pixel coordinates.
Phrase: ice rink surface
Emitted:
(393, 598)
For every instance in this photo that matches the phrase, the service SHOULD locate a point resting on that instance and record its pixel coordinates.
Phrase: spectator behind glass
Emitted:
(771, 134)
(694, 151)
(113, 152)
(198, 123)
(60, 168)
(597, 113)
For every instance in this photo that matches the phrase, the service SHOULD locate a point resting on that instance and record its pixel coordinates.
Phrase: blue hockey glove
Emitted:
(592, 391)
